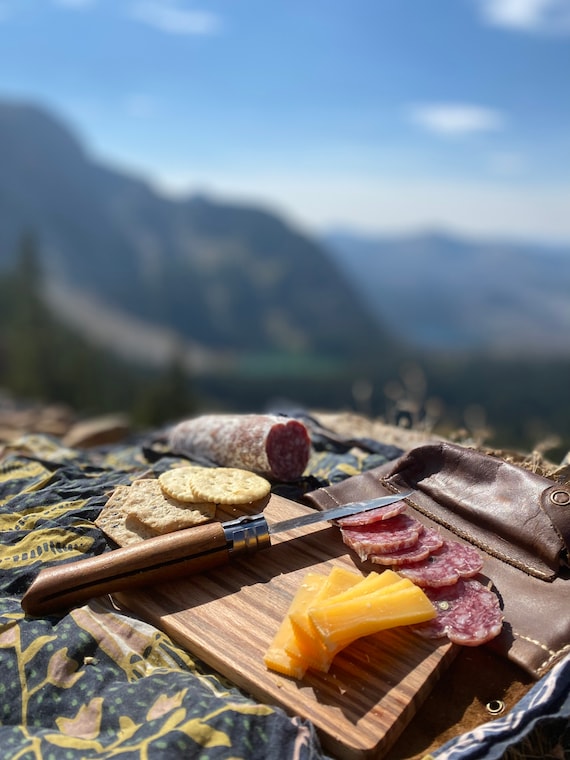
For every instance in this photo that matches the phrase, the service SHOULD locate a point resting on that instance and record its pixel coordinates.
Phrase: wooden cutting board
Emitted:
(228, 616)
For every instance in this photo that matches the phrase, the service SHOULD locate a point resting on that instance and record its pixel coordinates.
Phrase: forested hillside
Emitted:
(43, 360)
(518, 404)
(223, 277)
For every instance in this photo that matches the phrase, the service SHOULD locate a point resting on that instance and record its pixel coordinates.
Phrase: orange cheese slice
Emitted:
(329, 612)
(400, 603)
(306, 642)
(283, 655)
(374, 581)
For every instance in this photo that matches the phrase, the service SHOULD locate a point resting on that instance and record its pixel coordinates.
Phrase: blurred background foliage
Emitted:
(42, 360)
(509, 403)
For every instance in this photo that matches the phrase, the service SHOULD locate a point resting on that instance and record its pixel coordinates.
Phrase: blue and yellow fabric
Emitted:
(97, 683)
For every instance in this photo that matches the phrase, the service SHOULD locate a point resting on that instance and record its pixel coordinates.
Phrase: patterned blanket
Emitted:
(99, 683)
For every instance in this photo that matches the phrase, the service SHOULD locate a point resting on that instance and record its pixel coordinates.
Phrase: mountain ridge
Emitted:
(209, 280)
(227, 278)
(447, 293)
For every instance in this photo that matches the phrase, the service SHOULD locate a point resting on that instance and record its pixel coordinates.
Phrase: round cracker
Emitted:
(228, 485)
(176, 483)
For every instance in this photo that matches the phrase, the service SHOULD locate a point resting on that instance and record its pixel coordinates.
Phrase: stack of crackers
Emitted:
(179, 498)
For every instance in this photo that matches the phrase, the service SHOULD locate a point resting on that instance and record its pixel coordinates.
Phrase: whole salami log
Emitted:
(276, 447)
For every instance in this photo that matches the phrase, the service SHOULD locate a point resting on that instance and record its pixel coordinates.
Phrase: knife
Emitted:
(169, 557)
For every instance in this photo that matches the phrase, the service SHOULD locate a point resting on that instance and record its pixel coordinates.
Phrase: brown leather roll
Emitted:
(520, 521)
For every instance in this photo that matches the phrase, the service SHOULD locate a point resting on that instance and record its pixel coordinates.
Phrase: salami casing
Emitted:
(276, 447)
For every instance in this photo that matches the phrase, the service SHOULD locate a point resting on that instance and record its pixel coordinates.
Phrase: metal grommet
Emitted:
(560, 497)
(495, 706)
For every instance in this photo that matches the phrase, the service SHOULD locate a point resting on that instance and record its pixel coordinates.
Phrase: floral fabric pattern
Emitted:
(99, 683)
(96, 682)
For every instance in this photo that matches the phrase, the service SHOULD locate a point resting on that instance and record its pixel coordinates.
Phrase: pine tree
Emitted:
(27, 328)
(41, 360)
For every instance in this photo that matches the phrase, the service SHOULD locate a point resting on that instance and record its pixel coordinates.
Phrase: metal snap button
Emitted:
(560, 497)
(495, 706)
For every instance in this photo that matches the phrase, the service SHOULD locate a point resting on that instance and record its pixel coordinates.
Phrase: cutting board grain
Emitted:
(228, 616)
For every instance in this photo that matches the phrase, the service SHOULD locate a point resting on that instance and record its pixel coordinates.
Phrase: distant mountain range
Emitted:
(457, 295)
(148, 275)
(220, 282)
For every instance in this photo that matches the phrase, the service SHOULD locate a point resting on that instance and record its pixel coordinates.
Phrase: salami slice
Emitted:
(468, 613)
(399, 532)
(429, 541)
(445, 566)
(374, 515)
(277, 447)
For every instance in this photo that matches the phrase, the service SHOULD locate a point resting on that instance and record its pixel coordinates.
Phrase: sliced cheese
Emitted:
(283, 655)
(306, 642)
(317, 650)
(401, 603)
(276, 658)
(331, 645)
(374, 581)
(328, 613)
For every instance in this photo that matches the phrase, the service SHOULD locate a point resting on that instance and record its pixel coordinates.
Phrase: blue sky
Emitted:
(377, 115)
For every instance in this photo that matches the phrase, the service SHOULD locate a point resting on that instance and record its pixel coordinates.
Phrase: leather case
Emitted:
(520, 522)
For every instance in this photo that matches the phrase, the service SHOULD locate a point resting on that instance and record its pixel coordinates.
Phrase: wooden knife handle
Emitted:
(149, 562)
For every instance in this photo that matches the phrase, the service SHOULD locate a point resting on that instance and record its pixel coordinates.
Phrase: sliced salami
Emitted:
(399, 532)
(445, 566)
(429, 541)
(468, 613)
(374, 515)
(277, 447)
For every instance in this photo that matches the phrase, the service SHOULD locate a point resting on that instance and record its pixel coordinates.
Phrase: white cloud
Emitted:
(168, 16)
(456, 118)
(545, 16)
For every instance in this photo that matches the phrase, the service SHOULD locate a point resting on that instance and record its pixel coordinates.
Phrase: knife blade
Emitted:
(170, 557)
(336, 513)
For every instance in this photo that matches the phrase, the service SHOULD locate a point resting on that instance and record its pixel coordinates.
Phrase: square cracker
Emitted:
(113, 520)
(150, 506)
